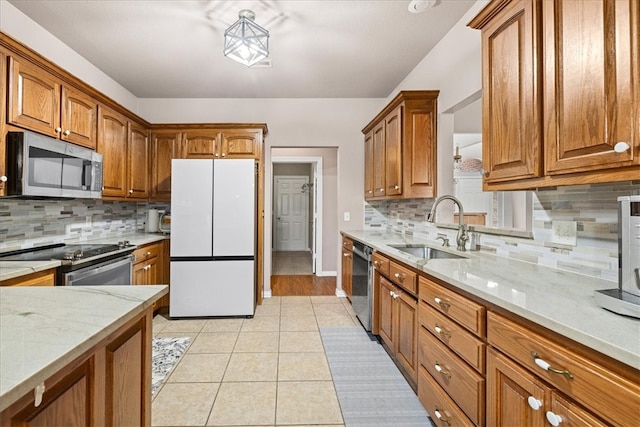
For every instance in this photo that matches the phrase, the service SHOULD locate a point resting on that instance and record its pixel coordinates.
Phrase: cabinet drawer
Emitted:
(403, 277)
(464, 311)
(465, 344)
(347, 244)
(608, 394)
(380, 263)
(146, 252)
(463, 384)
(443, 411)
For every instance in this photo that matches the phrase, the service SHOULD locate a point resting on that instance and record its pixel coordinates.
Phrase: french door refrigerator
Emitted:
(213, 237)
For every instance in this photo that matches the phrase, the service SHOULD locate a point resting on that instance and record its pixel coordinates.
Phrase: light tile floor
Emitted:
(287, 263)
(270, 370)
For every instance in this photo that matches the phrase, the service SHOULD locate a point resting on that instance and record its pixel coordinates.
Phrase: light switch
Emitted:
(564, 232)
(347, 216)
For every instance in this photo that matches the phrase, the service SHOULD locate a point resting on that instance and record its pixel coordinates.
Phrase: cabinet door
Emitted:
(407, 333)
(138, 162)
(590, 97)
(387, 319)
(572, 414)
(240, 145)
(511, 126)
(393, 152)
(34, 98)
(368, 165)
(3, 132)
(112, 144)
(164, 147)
(200, 145)
(140, 273)
(509, 389)
(347, 272)
(79, 118)
(379, 161)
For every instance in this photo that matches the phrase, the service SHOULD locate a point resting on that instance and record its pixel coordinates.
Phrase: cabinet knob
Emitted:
(216, 155)
(224, 155)
(148, 253)
(345, 254)
(534, 403)
(621, 147)
(396, 187)
(58, 129)
(3, 178)
(554, 419)
(67, 132)
(399, 276)
(369, 191)
(130, 191)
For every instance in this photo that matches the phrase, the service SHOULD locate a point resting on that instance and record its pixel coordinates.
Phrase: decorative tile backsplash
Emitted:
(593, 207)
(29, 223)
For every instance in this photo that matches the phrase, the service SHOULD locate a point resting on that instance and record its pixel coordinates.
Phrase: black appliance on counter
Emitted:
(83, 264)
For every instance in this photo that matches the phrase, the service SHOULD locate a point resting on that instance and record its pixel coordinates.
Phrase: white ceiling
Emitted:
(319, 49)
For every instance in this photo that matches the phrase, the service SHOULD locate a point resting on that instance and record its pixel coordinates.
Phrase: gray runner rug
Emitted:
(371, 390)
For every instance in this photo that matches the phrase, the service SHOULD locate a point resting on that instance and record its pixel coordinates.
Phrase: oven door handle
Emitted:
(96, 269)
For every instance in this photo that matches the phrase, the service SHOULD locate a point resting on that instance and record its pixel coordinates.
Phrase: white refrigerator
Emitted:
(213, 238)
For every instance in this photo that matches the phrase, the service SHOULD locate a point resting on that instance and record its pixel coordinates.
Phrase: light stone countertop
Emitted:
(42, 328)
(558, 300)
(11, 269)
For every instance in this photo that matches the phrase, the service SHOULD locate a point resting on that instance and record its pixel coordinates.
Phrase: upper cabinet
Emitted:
(400, 148)
(165, 146)
(39, 101)
(222, 144)
(561, 88)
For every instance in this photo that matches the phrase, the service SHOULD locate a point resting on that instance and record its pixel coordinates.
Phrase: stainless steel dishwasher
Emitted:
(362, 283)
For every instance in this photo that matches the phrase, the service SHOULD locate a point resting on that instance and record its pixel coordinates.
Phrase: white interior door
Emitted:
(291, 213)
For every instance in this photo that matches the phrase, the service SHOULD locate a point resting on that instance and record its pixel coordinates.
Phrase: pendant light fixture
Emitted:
(245, 41)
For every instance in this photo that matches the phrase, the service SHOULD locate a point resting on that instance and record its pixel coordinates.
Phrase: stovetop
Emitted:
(68, 254)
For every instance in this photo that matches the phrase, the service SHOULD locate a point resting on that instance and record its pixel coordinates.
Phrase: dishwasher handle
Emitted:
(362, 250)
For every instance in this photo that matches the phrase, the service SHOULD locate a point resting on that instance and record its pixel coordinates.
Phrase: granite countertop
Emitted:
(558, 300)
(11, 269)
(42, 328)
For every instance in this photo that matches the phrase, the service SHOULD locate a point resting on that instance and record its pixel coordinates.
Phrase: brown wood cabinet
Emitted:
(124, 146)
(400, 148)
(40, 278)
(150, 267)
(347, 266)
(211, 143)
(39, 101)
(3, 130)
(165, 146)
(109, 385)
(561, 92)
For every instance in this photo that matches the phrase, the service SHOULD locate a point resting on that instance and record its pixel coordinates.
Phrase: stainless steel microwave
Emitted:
(41, 166)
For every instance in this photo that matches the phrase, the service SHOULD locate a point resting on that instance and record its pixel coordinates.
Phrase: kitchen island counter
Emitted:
(44, 329)
(555, 299)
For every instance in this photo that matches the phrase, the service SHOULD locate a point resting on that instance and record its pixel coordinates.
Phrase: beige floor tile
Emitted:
(307, 402)
(252, 367)
(257, 342)
(267, 310)
(179, 404)
(303, 367)
(222, 325)
(214, 342)
(159, 322)
(185, 325)
(295, 300)
(174, 334)
(326, 299)
(272, 301)
(261, 324)
(200, 368)
(330, 310)
(298, 323)
(330, 321)
(300, 309)
(244, 404)
(300, 342)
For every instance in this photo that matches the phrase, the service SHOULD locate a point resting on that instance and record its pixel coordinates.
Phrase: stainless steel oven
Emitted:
(113, 272)
(362, 283)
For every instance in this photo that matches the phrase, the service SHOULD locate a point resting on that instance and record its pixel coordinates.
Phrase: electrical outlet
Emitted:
(347, 216)
(564, 232)
(88, 221)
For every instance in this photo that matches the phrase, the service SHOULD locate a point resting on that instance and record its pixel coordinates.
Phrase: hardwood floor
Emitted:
(302, 285)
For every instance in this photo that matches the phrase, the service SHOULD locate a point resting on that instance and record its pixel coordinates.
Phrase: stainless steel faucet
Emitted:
(462, 237)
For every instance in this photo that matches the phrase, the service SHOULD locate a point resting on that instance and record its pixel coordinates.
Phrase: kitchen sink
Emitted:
(425, 252)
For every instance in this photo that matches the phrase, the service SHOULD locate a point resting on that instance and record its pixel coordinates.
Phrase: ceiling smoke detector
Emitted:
(419, 6)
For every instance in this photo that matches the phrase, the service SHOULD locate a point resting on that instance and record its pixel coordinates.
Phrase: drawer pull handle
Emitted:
(345, 254)
(547, 367)
(399, 276)
(37, 394)
(534, 403)
(438, 414)
(442, 332)
(445, 305)
(442, 371)
(376, 263)
(554, 419)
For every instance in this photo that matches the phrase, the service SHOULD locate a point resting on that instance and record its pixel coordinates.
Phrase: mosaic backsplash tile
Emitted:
(29, 223)
(594, 208)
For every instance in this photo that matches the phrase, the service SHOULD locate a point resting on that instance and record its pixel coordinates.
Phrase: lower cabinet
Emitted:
(40, 278)
(108, 385)
(150, 265)
(347, 267)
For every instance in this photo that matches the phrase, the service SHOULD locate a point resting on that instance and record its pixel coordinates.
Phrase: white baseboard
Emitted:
(340, 293)
(326, 273)
(266, 294)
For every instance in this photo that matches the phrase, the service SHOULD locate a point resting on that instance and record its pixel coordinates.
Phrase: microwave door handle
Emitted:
(86, 174)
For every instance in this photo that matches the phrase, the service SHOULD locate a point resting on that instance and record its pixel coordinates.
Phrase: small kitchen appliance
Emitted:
(626, 298)
(153, 218)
